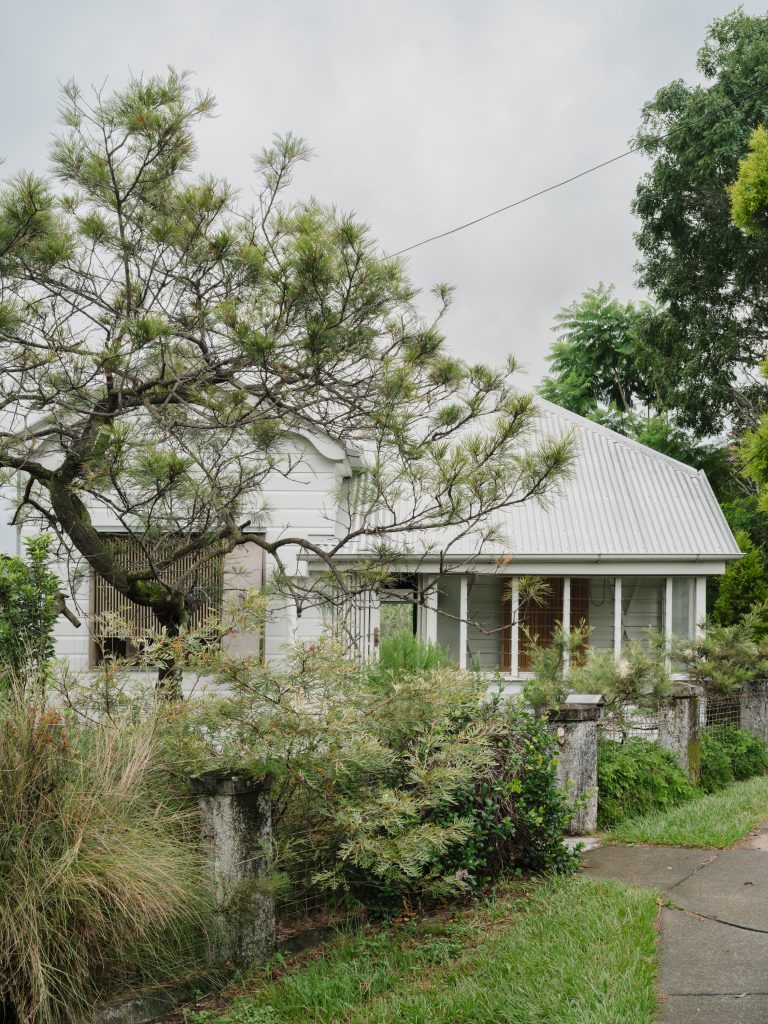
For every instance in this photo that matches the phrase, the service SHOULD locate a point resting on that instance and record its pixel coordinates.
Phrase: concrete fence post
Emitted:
(575, 728)
(679, 727)
(754, 708)
(237, 834)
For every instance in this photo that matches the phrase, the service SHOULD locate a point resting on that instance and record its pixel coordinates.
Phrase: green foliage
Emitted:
(99, 880)
(390, 786)
(744, 587)
(749, 192)
(716, 770)
(728, 754)
(29, 607)
(404, 653)
(635, 777)
(594, 360)
(706, 274)
(745, 515)
(639, 680)
(603, 368)
(725, 658)
(550, 685)
(222, 331)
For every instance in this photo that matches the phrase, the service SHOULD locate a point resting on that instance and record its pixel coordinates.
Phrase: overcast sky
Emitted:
(422, 114)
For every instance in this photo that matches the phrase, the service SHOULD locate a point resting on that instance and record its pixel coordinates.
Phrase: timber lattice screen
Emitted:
(108, 605)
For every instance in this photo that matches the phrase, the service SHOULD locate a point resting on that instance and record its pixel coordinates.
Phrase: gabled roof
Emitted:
(621, 499)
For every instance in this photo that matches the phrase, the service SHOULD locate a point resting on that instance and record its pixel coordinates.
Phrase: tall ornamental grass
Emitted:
(99, 881)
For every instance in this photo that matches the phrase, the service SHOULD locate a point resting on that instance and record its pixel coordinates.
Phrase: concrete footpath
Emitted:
(714, 934)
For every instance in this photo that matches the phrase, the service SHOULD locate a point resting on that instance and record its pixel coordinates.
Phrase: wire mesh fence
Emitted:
(721, 709)
(629, 723)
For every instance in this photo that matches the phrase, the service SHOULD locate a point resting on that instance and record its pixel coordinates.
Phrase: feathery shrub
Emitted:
(392, 787)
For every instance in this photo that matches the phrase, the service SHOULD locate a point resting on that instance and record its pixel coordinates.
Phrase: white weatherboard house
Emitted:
(626, 543)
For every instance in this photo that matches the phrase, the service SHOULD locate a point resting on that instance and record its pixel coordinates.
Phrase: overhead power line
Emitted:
(560, 184)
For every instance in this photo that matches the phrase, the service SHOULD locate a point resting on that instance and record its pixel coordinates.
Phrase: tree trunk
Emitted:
(170, 673)
(170, 677)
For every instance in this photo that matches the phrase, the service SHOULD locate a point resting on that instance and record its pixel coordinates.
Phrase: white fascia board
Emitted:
(673, 565)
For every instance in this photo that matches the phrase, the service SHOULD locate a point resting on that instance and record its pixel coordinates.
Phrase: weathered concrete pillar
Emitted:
(754, 708)
(237, 833)
(679, 727)
(575, 727)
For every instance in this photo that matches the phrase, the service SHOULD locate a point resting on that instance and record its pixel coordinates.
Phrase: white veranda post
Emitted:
(617, 618)
(566, 621)
(514, 607)
(428, 610)
(463, 603)
(700, 605)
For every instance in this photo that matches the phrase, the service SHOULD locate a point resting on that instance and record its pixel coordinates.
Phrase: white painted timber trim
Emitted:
(566, 623)
(700, 605)
(430, 609)
(617, 616)
(463, 605)
(514, 607)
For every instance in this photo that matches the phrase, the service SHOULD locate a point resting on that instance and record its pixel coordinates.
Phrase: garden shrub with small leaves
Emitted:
(635, 777)
(730, 754)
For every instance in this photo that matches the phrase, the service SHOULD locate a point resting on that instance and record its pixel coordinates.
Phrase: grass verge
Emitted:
(717, 820)
(554, 955)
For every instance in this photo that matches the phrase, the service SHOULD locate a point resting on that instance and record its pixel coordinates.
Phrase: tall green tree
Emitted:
(709, 278)
(160, 338)
(594, 358)
(603, 367)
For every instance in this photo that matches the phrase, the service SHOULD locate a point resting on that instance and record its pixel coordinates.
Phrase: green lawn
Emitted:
(717, 820)
(570, 952)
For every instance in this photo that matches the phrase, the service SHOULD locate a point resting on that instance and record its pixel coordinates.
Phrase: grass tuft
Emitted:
(714, 821)
(97, 878)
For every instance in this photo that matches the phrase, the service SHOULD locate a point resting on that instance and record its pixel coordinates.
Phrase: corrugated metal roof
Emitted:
(621, 500)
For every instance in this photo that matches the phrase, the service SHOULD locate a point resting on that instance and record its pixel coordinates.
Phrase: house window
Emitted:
(398, 608)
(108, 606)
(538, 619)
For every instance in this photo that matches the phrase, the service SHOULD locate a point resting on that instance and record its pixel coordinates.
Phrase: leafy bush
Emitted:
(29, 607)
(635, 777)
(716, 770)
(97, 878)
(392, 787)
(743, 586)
(728, 754)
